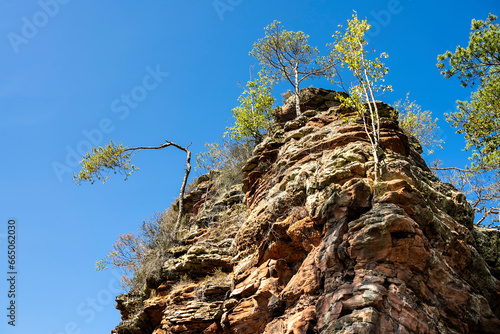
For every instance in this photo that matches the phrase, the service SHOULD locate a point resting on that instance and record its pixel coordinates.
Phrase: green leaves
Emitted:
(103, 159)
(253, 116)
(479, 118)
(348, 50)
(282, 51)
(419, 124)
(288, 56)
(479, 121)
(480, 59)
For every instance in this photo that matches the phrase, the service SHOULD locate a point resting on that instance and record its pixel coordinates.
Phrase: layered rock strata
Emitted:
(321, 248)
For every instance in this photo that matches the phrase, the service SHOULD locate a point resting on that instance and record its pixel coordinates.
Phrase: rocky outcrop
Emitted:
(321, 248)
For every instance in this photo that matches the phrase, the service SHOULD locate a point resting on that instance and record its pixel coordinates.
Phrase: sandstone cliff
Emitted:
(309, 244)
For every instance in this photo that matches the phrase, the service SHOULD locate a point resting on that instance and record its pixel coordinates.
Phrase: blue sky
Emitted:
(78, 72)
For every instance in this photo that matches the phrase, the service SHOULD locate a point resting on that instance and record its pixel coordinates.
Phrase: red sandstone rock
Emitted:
(325, 250)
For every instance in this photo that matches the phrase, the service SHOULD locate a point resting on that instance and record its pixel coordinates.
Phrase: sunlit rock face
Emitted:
(322, 248)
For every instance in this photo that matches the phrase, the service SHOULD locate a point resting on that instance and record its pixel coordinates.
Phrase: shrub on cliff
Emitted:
(225, 162)
(418, 124)
(253, 117)
(140, 256)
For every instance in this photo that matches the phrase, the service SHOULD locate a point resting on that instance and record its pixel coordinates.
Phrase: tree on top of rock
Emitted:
(116, 158)
(349, 51)
(289, 57)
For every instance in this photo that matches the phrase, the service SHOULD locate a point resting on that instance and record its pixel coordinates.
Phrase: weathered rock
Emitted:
(311, 99)
(325, 249)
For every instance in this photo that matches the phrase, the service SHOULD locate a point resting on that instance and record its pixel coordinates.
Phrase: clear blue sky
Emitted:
(140, 73)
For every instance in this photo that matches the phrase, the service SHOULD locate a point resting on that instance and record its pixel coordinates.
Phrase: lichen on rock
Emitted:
(321, 248)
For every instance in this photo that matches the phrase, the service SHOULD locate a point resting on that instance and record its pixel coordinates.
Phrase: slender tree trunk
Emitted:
(376, 131)
(375, 127)
(297, 98)
(366, 84)
(181, 194)
(184, 181)
(374, 145)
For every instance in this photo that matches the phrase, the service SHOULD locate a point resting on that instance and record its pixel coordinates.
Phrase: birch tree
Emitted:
(114, 157)
(349, 51)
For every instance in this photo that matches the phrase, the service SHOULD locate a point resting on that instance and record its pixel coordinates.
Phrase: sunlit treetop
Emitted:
(253, 116)
(479, 118)
(480, 59)
(348, 50)
(97, 163)
(289, 57)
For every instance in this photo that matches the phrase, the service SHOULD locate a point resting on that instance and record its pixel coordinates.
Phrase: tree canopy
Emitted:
(289, 57)
(116, 158)
(479, 118)
(253, 117)
(101, 160)
(418, 124)
(478, 65)
(349, 51)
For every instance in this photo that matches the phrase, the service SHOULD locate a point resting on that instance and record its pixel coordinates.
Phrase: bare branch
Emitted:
(482, 189)
(117, 158)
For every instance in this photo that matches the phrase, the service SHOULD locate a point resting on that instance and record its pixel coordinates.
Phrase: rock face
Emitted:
(321, 248)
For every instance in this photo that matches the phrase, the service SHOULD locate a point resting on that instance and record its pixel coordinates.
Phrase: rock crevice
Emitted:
(324, 249)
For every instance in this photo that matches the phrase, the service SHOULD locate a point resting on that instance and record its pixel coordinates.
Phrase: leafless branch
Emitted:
(482, 188)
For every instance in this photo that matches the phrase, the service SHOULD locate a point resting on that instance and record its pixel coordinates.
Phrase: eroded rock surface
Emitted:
(324, 249)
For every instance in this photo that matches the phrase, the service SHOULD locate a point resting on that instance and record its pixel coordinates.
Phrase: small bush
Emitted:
(218, 277)
(253, 117)
(418, 124)
(141, 255)
(225, 162)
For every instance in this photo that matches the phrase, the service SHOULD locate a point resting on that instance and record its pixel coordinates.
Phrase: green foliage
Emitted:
(418, 124)
(225, 162)
(117, 158)
(348, 50)
(253, 116)
(288, 56)
(478, 119)
(480, 59)
(103, 159)
(281, 51)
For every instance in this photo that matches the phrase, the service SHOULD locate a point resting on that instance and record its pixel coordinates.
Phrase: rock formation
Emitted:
(309, 244)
